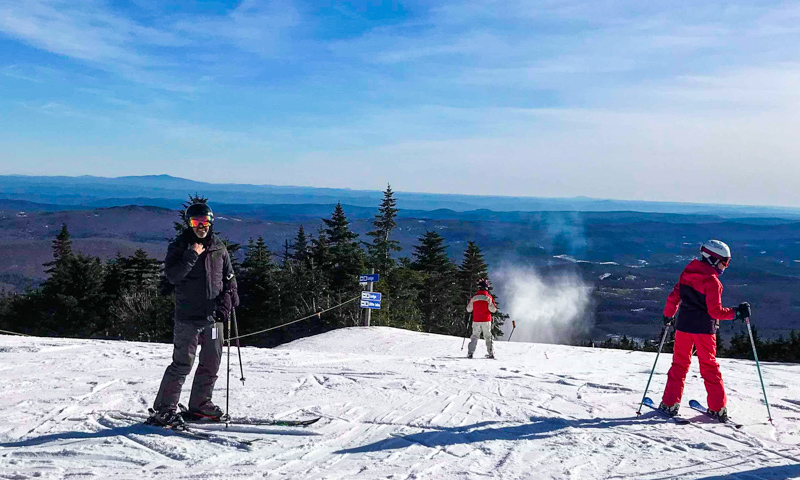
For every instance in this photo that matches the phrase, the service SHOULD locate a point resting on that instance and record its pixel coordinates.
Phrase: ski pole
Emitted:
(755, 355)
(660, 346)
(228, 381)
(238, 346)
(513, 326)
(467, 335)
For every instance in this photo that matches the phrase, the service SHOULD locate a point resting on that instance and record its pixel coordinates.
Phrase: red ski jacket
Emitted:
(699, 295)
(482, 306)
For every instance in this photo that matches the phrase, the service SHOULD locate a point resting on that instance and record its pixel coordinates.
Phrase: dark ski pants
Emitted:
(709, 369)
(186, 338)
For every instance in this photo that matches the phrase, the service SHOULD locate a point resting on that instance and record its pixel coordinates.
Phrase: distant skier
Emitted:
(199, 266)
(698, 294)
(482, 306)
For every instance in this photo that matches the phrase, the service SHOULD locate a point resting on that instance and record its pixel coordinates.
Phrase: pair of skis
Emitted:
(694, 405)
(194, 429)
(247, 421)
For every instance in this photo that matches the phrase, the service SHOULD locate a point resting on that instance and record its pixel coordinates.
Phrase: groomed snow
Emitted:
(395, 404)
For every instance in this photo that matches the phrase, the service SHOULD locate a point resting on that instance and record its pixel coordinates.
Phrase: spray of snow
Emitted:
(548, 310)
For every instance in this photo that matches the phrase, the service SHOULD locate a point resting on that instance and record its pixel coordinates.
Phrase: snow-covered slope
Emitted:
(395, 404)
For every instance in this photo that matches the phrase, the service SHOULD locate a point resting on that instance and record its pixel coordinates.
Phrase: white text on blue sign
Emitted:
(370, 304)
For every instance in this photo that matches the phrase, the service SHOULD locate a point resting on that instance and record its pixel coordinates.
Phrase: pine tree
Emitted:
(400, 305)
(347, 263)
(300, 248)
(139, 271)
(74, 297)
(473, 267)
(298, 294)
(439, 286)
(259, 290)
(379, 256)
(381, 248)
(62, 250)
(321, 267)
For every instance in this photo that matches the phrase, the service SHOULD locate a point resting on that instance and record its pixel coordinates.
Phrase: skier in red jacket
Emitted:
(698, 294)
(482, 306)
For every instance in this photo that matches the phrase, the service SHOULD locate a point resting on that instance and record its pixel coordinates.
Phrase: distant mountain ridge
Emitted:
(169, 192)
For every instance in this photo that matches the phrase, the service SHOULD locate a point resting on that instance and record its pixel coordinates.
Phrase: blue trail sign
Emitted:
(376, 296)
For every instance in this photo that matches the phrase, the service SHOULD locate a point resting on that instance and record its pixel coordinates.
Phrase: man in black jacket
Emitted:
(199, 266)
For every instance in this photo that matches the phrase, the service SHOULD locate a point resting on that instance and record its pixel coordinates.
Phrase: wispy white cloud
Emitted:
(83, 30)
(257, 26)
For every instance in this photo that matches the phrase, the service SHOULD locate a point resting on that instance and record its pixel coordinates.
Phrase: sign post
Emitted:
(370, 300)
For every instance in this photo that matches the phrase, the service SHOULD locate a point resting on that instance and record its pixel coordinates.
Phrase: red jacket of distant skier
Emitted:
(699, 295)
(482, 306)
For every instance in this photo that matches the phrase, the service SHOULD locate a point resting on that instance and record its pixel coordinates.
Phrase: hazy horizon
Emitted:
(378, 192)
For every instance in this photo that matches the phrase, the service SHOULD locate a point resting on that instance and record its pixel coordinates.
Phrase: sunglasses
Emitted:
(195, 222)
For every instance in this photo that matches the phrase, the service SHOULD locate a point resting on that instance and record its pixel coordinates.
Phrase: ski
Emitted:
(249, 421)
(260, 421)
(677, 419)
(186, 432)
(695, 405)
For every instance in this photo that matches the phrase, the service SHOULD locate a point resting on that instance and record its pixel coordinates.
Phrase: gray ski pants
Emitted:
(186, 338)
(477, 329)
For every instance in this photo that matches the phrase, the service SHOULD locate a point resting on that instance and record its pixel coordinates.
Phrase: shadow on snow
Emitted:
(138, 430)
(540, 427)
(783, 472)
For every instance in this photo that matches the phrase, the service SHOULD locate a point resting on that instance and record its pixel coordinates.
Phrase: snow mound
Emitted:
(393, 404)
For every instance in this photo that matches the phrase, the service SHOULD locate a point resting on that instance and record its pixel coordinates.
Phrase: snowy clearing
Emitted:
(394, 404)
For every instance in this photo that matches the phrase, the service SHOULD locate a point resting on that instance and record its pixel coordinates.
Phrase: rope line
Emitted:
(295, 321)
(14, 333)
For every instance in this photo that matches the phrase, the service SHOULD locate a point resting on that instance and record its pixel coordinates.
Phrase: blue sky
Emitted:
(673, 100)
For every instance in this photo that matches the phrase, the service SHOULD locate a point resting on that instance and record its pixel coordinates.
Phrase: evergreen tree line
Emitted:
(129, 298)
(780, 349)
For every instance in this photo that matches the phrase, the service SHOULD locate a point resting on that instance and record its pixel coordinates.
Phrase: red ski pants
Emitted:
(709, 369)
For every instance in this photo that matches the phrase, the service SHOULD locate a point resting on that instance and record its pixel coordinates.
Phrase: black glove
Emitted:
(234, 298)
(224, 306)
(668, 320)
(743, 311)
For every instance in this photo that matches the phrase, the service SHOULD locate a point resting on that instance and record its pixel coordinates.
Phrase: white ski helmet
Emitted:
(714, 251)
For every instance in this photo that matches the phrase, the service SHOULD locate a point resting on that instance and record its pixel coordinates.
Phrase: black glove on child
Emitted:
(743, 311)
(668, 320)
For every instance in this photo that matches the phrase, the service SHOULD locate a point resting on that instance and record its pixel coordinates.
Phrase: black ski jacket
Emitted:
(200, 280)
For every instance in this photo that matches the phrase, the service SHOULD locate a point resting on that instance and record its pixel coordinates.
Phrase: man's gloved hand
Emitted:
(224, 306)
(234, 298)
(668, 320)
(743, 311)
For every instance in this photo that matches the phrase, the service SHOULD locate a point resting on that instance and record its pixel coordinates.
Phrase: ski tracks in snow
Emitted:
(390, 410)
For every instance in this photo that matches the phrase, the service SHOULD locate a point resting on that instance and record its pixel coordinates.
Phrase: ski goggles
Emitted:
(195, 222)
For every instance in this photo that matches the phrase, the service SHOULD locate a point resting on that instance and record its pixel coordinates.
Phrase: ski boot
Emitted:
(490, 356)
(721, 415)
(167, 418)
(670, 410)
(469, 355)
(208, 413)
